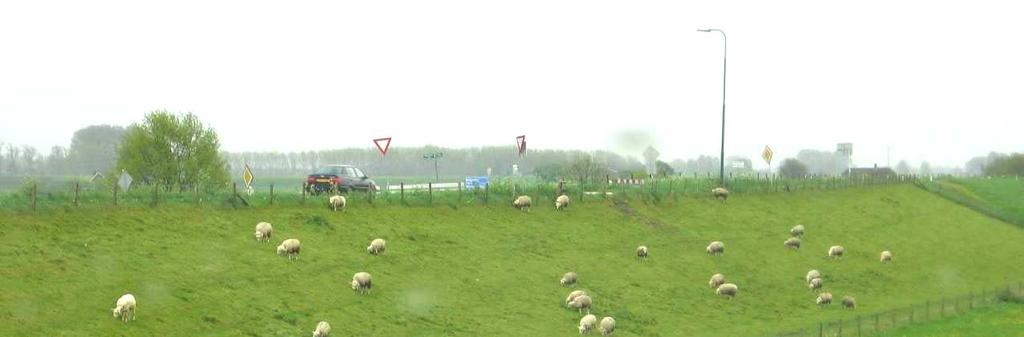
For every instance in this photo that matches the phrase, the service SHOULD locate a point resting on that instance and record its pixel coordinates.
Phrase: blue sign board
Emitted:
(477, 182)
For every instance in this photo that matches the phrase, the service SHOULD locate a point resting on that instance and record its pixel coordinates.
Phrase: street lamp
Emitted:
(721, 167)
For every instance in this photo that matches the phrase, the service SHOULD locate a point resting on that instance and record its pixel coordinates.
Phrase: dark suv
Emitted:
(344, 178)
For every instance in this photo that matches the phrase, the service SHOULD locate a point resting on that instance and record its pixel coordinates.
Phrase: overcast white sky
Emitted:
(932, 80)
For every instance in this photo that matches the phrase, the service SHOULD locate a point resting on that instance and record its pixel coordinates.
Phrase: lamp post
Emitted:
(721, 167)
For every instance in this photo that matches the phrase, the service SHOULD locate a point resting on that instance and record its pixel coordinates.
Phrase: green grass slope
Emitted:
(492, 271)
(1003, 320)
(1001, 196)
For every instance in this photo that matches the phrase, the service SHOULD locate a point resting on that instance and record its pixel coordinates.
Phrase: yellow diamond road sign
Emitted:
(767, 154)
(247, 176)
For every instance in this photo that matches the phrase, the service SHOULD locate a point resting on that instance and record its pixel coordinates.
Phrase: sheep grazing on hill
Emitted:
(336, 202)
(125, 308)
(797, 230)
(716, 280)
(728, 290)
(824, 298)
(322, 329)
(562, 202)
(849, 302)
(522, 203)
(815, 284)
(641, 253)
(587, 323)
(792, 243)
(886, 256)
(263, 231)
(607, 326)
(376, 246)
(362, 282)
(573, 295)
(581, 302)
(716, 248)
(290, 248)
(568, 279)
(836, 252)
(720, 193)
(813, 274)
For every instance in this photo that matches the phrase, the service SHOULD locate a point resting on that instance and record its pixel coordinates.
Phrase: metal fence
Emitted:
(871, 324)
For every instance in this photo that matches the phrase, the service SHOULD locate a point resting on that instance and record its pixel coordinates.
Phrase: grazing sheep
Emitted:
(717, 248)
(522, 203)
(376, 246)
(824, 298)
(886, 256)
(581, 302)
(263, 231)
(641, 253)
(716, 280)
(849, 302)
(720, 192)
(125, 308)
(362, 282)
(813, 274)
(568, 279)
(290, 247)
(815, 284)
(836, 252)
(607, 326)
(587, 323)
(561, 202)
(322, 329)
(336, 202)
(797, 230)
(573, 295)
(728, 290)
(793, 243)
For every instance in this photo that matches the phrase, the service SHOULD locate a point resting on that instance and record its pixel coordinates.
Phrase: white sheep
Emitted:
(263, 231)
(581, 302)
(336, 202)
(797, 230)
(716, 248)
(849, 302)
(568, 279)
(813, 274)
(376, 246)
(522, 202)
(322, 329)
(815, 284)
(587, 323)
(290, 248)
(125, 308)
(573, 295)
(362, 282)
(562, 202)
(607, 326)
(793, 243)
(836, 252)
(824, 298)
(728, 289)
(720, 192)
(886, 256)
(641, 253)
(716, 280)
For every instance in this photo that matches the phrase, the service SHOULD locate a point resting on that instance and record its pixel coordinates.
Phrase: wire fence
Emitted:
(35, 195)
(874, 323)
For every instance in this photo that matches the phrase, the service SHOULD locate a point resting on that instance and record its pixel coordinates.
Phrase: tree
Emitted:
(172, 150)
(584, 168)
(549, 172)
(793, 168)
(664, 169)
(1006, 166)
(926, 169)
(903, 168)
(94, 148)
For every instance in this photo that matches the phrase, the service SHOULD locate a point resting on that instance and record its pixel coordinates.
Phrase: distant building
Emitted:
(869, 172)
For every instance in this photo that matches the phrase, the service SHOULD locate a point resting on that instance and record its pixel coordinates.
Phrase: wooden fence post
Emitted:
(156, 188)
(840, 334)
(821, 329)
(430, 192)
(401, 191)
(271, 193)
(487, 193)
(76, 194)
(35, 190)
(115, 194)
(460, 192)
(195, 193)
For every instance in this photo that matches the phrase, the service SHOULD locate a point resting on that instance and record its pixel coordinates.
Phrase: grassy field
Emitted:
(1000, 196)
(1003, 320)
(491, 270)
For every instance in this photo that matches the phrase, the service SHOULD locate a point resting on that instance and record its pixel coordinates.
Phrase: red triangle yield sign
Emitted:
(383, 149)
(521, 144)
